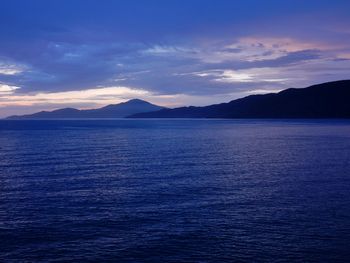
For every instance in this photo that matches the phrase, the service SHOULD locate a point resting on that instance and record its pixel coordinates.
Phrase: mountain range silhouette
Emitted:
(327, 100)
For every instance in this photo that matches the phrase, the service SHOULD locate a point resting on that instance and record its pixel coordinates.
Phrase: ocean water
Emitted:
(175, 191)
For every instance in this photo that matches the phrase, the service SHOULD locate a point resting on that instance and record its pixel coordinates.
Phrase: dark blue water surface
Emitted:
(175, 191)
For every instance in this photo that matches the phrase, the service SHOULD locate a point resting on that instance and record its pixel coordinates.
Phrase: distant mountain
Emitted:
(328, 100)
(120, 110)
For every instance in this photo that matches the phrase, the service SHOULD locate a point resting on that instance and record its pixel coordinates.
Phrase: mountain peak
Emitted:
(132, 102)
(137, 101)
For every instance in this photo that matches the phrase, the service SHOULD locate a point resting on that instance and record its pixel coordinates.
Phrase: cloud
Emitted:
(164, 68)
(10, 69)
(253, 75)
(7, 89)
(220, 68)
(168, 50)
(103, 95)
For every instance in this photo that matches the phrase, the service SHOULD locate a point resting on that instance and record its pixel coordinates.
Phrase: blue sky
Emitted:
(86, 54)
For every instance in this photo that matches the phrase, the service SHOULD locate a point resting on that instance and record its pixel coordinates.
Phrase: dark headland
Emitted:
(327, 100)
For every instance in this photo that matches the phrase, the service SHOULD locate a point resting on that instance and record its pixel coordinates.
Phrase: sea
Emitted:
(174, 190)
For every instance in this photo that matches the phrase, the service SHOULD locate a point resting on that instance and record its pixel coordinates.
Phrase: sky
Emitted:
(90, 53)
